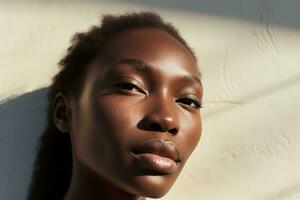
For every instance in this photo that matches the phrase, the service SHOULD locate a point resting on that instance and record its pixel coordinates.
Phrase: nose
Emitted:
(161, 118)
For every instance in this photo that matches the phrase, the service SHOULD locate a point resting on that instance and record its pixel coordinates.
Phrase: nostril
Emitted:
(156, 127)
(173, 130)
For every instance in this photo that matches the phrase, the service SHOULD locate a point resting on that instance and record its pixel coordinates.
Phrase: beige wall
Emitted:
(249, 57)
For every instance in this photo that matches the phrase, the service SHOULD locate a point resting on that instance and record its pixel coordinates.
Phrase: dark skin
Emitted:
(144, 86)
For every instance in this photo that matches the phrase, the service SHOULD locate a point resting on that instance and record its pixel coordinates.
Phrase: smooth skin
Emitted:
(145, 85)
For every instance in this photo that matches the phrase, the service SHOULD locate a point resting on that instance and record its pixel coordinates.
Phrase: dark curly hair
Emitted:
(53, 165)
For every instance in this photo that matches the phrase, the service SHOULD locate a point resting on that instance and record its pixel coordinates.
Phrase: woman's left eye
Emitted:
(126, 86)
(190, 102)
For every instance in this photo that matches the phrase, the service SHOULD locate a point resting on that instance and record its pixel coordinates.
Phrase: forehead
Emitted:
(154, 47)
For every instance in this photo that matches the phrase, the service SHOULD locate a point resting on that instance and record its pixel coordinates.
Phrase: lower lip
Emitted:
(155, 162)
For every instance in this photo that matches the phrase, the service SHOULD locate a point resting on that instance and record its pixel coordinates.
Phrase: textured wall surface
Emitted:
(249, 56)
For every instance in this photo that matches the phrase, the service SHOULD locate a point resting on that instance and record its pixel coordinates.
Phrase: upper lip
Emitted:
(159, 147)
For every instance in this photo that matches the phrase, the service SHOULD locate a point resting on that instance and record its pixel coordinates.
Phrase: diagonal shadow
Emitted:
(275, 12)
(22, 121)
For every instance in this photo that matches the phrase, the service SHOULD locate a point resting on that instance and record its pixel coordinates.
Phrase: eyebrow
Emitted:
(140, 65)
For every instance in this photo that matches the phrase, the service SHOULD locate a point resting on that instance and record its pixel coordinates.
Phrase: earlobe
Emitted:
(61, 112)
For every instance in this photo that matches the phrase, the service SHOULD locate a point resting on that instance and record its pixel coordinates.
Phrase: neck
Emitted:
(87, 185)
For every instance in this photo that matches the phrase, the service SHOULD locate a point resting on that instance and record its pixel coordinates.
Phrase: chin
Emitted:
(154, 186)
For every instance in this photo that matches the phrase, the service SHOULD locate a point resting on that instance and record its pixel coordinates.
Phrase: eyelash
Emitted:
(125, 86)
(198, 105)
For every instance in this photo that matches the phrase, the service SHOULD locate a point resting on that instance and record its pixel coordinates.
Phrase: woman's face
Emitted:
(137, 120)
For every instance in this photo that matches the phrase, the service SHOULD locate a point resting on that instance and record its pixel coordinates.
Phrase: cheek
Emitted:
(103, 132)
(191, 134)
(116, 116)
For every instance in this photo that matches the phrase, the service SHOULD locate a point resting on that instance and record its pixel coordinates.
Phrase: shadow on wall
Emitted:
(22, 121)
(275, 12)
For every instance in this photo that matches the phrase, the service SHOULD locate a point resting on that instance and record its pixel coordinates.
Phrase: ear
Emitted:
(61, 112)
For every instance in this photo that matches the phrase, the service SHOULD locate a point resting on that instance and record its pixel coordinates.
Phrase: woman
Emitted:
(124, 115)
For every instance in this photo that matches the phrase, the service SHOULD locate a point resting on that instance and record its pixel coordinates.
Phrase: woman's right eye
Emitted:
(128, 86)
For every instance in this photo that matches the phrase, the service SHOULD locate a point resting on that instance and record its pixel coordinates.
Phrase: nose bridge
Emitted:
(162, 114)
(163, 106)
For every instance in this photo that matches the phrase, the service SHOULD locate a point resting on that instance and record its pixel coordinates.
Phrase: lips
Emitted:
(158, 147)
(157, 156)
